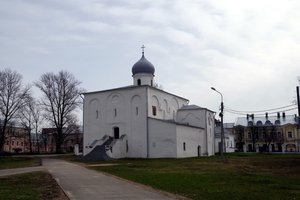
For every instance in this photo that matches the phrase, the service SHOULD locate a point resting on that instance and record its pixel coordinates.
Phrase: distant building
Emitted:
(142, 121)
(267, 134)
(48, 141)
(15, 139)
(229, 144)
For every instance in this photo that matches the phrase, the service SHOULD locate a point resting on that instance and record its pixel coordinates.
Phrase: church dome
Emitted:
(143, 66)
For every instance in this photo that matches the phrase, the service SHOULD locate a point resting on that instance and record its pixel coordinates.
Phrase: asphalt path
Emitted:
(80, 183)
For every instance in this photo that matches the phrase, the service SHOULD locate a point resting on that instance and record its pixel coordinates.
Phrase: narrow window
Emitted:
(137, 111)
(139, 81)
(17, 143)
(154, 110)
(115, 110)
(97, 114)
(151, 82)
(116, 132)
(290, 134)
(184, 146)
(126, 145)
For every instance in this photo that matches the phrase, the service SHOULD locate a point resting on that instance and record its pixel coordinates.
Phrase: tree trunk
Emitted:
(2, 135)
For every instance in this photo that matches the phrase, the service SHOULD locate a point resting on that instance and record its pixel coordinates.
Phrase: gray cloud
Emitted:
(247, 49)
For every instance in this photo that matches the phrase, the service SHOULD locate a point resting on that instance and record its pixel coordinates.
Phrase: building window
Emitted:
(290, 134)
(17, 143)
(97, 114)
(154, 110)
(137, 111)
(249, 135)
(12, 142)
(115, 112)
(21, 143)
(139, 81)
(278, 134)
(184, 146)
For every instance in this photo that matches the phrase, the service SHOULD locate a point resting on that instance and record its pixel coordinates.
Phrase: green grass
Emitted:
(243, 176)
(17, 162)
(30, 186)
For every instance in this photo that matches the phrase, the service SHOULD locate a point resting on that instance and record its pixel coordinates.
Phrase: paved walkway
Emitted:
(80, 183)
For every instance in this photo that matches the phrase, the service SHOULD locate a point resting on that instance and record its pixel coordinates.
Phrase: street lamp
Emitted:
(222, 129)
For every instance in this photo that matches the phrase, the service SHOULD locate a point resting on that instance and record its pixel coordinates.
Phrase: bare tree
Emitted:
(36, 118)
(239, 135)
(12, 97)
(29, 117)
(269, 136)
(61, 98)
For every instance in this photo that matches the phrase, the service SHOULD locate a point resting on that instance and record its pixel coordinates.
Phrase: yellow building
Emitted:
(267, 134)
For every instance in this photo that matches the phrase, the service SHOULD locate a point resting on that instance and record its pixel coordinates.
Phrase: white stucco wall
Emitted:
(202, 118)
(162, 139)
(166, 104)
(118, 148)
(193, 138)
(123, 108)
(229, 145)
(146, 79)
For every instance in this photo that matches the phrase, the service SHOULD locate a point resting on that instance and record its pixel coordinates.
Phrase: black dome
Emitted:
(143, 66)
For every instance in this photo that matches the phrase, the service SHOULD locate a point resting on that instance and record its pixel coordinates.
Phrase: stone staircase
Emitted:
(99, 152)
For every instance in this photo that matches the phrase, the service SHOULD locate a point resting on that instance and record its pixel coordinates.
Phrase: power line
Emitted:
(260, 111)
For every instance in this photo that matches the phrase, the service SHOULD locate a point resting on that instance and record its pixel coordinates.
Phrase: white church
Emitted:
(142, 121)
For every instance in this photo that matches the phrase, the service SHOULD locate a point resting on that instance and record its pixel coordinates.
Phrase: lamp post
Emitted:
(222, 129)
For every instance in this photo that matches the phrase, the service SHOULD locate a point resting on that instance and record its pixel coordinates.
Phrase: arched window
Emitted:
(139, 81)
(259, 123)
(268, 123)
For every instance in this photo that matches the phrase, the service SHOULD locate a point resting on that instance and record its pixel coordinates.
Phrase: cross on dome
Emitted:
(143, 49)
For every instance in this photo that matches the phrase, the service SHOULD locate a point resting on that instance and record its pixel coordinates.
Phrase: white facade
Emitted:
(229, 143)
(141, 121)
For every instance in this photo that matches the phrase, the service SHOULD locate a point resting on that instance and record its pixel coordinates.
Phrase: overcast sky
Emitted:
(248, 50)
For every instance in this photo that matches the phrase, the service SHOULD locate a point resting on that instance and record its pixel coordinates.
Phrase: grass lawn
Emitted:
(243, 176)
(17, 162)
(30, 186)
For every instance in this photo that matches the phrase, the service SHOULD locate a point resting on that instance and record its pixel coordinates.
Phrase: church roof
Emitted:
(193, 107)
(190, 107)
(143, 66)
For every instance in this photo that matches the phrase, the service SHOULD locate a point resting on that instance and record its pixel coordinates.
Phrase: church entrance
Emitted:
(116, 132)
(199, 150)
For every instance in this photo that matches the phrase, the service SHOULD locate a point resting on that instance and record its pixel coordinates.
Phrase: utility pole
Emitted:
(298, 102)
(222, 128)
